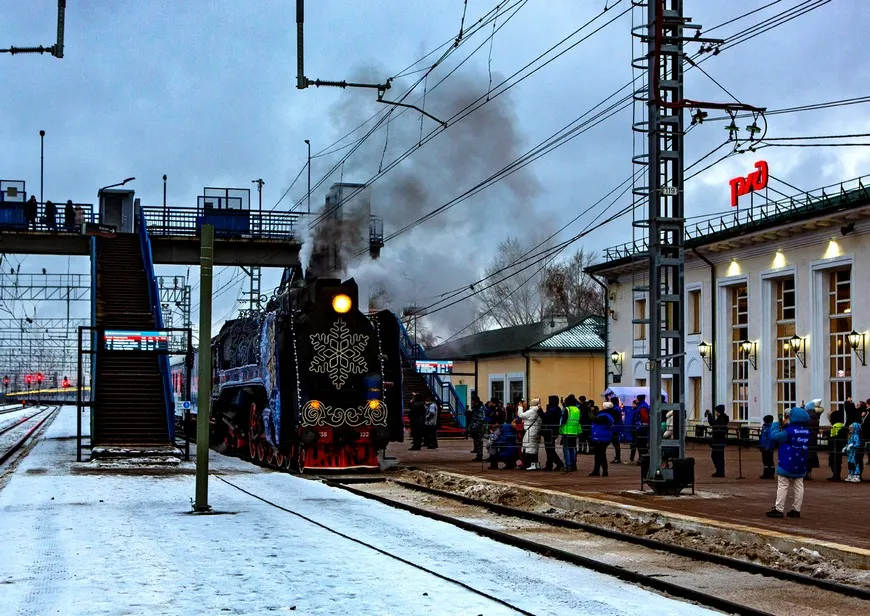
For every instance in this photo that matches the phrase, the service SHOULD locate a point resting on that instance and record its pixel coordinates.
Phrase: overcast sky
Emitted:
(205, 92)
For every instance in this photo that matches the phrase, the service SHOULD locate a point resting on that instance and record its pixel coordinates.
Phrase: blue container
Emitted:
(12, 216)
(227, 223)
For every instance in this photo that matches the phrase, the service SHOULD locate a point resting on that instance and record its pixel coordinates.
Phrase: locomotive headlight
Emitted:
(341, 303)
(373, 404)
(315, 404)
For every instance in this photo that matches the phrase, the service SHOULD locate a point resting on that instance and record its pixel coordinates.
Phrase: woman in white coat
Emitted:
(532, 421)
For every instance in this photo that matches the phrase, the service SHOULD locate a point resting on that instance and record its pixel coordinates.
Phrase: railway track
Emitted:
(27, 429)
(367, 545)
(719, 582)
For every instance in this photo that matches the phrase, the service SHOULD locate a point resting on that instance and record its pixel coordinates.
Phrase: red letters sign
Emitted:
(756, 180)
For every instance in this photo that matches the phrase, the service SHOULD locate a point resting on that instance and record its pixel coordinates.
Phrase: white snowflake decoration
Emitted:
(339, 353)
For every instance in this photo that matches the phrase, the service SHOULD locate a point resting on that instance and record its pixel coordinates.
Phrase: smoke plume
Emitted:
(453, 248)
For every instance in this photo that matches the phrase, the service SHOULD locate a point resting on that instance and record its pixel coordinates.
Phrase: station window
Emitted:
(695, 311)
(839, 326)
(697, 399)
(739, 309)
(640, 313)
(786, 365)
(516, 389)
(496, 390)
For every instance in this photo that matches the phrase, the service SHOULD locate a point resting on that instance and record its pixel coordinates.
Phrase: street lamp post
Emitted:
(259, 182)
(308, 143)
(41, 162)
(164, 203)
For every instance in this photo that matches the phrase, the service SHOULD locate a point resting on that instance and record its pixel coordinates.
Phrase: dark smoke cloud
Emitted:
(453, 248)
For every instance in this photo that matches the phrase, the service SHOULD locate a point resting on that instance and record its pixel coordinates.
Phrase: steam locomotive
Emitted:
(309, 384)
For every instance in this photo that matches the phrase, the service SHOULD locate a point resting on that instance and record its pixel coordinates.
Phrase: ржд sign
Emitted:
(757, 180)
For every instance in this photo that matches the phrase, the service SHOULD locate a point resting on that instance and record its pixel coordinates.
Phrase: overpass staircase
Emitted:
(132, 406)
(441, 390)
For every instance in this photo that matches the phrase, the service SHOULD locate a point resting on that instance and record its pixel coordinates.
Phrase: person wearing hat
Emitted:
(793, 438)
(570, 429)
(602, 434)
(552, 419)
(719, 424)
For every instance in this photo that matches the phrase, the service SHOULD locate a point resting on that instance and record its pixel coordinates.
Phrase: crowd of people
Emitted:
(73, 215)
(512, 434)
(792, 446)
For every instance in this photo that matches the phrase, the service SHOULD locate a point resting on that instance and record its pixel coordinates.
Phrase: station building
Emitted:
(558, 356)
(777, 306)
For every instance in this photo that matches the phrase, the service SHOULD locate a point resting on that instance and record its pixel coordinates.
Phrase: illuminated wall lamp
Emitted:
(750, 351)
(704, 351)
(858, 342)
(799, 348)
(616, 360)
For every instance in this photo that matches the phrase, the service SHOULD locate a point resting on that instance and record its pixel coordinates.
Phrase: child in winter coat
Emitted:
(766, 444)
(853, 449)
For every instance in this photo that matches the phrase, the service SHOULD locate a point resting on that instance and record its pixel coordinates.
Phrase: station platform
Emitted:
(82, 540)
(833, 512)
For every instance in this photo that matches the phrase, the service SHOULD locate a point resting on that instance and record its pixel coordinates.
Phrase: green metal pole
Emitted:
(206, 259)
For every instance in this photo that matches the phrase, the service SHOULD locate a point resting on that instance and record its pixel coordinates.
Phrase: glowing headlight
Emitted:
(341, 303)
(315, 404)
(373, 404)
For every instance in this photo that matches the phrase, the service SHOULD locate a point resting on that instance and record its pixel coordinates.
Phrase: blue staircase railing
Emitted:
(157, 311)
(443, 391)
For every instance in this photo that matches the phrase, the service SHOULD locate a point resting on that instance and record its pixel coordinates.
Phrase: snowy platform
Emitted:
(120, 544)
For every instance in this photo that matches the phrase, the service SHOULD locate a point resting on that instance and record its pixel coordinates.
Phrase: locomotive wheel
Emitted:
(261, 451)
(270, 456)
(279, 459)
(300, 458)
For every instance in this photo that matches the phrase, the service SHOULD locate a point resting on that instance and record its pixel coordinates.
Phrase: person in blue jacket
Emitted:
(503, 447)
(793, 438)
(766, 445)
(628, 430)
(616, 413)
(602, 434)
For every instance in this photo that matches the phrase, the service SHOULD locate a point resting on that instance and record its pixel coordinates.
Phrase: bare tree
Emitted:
(509, 296)
(568, 290)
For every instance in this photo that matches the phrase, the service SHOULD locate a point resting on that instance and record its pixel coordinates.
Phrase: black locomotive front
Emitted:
(311, 384)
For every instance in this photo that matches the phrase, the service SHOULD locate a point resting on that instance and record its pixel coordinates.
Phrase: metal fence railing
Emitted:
(228, 223)
(708, 226)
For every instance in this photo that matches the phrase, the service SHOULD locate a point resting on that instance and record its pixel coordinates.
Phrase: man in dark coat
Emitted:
(30, 212)
(69, 216)
(50, 216)
(417, 419)
(549, 432)
(719, 424)
(474, 422)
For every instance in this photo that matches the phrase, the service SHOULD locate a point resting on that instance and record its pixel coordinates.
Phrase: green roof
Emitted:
(578, 334)
(587, 335)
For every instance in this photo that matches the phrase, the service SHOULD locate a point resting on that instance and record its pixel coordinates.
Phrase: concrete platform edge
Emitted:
(852, 556)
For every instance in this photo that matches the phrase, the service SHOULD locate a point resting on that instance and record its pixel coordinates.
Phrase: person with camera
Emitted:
(793, 438)
(719, 437)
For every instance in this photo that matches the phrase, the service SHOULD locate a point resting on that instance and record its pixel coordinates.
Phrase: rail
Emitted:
(243, 224)
(708, 226)
(443, 391)
(156, 310)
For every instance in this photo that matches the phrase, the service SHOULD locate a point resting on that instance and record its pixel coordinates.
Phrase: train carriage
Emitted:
(312, 383)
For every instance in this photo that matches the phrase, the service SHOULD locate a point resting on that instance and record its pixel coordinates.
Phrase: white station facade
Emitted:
(777, 305)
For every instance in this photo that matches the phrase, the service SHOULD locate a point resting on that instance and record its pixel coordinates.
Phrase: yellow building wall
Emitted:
(581, 374)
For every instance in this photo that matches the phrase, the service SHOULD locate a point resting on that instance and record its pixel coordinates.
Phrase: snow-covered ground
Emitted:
(105, 543)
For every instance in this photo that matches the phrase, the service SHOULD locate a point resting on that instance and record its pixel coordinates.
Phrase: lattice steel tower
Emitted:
(662, 35)
(660, 166)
